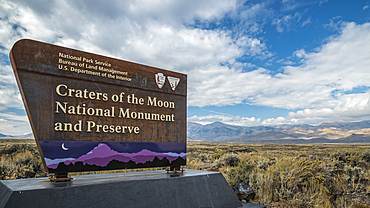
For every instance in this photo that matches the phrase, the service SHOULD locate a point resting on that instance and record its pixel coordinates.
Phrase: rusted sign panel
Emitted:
(91, 112)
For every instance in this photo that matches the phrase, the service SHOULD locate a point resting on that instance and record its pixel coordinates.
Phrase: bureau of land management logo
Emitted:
(160, 79)
(173, 82)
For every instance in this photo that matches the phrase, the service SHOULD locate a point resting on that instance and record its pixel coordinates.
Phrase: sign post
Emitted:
(90, 112)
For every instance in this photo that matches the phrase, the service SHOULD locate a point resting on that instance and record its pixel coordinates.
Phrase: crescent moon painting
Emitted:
(64, 148)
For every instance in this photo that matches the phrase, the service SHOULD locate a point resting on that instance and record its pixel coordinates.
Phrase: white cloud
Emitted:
(339, 65)
(13, 117)
(9, 93)
(286, 21)
(153, 34)
(14, 127)
(352, 107)
(301, 53)
(164, 34)
(322, 84)
(11, 124)
(275, 121)
(250, 17)
(232, 120)
(335, 23)
(100, 27)
(306, 22)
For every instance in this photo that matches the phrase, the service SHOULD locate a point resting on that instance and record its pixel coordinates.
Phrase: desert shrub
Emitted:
(339, 185)
(23, 158)
(359, 205)
(12, 150)
(203, 157)
(7, 169)
(239, 173)
(263, 164)
(230, 160)
(226, 160)
(303, 154)
(298, 183)
(217, 155)
(20, 161)
(216, 165)
(346, 156)
(191, 155)
(365, 155)
(38, 167)
(310, 170)
(193, 164)
(353, 176)
(252, 153)
(314, 194)
(8, 150)
(261, 182)
(298, 175)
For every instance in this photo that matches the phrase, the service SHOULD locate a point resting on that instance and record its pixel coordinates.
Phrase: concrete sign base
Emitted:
(193, 188)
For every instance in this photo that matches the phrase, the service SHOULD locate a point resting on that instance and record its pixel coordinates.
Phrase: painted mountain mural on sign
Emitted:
(102, 155)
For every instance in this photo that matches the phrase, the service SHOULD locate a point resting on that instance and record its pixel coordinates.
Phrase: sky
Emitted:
(248, 62)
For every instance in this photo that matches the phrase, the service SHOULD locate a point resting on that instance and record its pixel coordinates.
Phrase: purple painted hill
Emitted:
(103, 154)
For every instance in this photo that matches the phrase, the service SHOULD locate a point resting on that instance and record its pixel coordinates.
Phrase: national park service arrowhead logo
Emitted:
(160, 79)
(173, 82)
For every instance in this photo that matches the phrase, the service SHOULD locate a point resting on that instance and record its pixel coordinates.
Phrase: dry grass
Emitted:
(292, 175)
(20, 159)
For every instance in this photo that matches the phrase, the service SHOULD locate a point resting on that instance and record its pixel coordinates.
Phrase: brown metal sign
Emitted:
(91, 112)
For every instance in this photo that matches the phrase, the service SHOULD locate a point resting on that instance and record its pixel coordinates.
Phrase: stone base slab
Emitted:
(193, 188)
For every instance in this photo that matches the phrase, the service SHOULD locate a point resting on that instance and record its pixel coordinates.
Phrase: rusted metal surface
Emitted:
(60, 177)
(71, 95)
(175, 169)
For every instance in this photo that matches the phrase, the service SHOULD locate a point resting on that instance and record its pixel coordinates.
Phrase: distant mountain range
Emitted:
(330, 132)
(4, 136)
